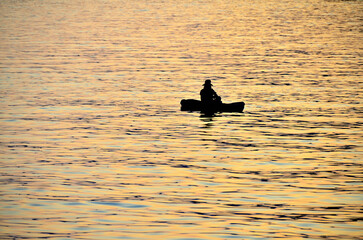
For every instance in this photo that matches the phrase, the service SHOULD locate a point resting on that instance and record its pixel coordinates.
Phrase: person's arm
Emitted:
(218, 98)
(215, 94)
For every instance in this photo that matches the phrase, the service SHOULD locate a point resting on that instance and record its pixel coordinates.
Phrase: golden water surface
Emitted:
(94, 146)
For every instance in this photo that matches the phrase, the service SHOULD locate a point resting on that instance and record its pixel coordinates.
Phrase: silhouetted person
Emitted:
(210, 100)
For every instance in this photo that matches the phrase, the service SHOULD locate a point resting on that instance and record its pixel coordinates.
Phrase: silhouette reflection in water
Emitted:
(208, 120)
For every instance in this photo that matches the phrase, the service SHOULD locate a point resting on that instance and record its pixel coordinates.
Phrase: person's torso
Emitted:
(207, 94)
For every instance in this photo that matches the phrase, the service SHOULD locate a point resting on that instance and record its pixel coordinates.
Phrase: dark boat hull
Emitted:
(196, 105)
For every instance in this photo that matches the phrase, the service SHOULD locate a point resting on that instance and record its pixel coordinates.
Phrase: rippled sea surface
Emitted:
(94, 145)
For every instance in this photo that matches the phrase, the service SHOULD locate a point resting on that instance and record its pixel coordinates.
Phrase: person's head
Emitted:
(207, 83)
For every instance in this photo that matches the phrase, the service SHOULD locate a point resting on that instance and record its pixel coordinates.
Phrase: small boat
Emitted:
(196, 105)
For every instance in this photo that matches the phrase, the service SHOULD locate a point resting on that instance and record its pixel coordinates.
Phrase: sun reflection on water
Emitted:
(94, 145)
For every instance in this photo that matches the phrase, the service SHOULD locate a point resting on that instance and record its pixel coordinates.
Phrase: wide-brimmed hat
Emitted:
(207, 83)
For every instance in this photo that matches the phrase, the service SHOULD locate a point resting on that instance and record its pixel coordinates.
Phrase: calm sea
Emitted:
(94, 145)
